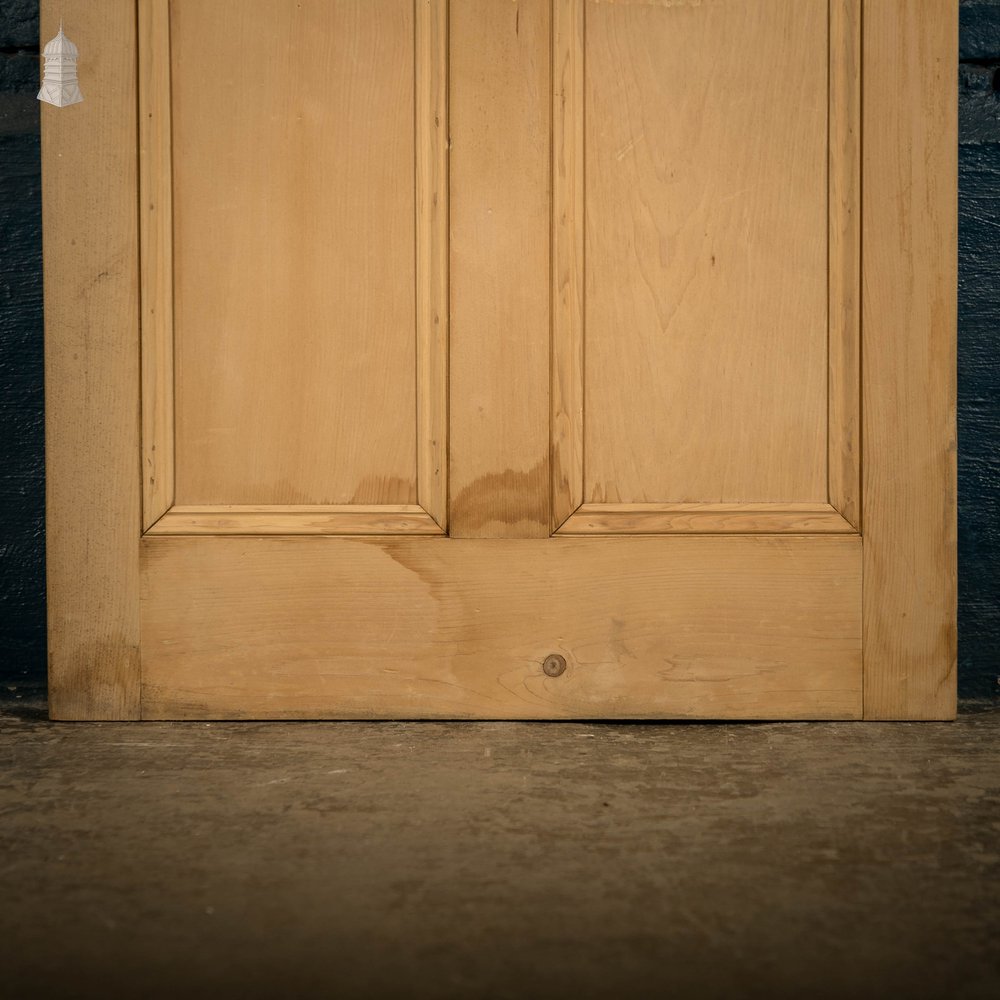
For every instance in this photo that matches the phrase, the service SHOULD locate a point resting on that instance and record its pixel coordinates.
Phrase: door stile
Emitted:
(93, 503)
(909, 330)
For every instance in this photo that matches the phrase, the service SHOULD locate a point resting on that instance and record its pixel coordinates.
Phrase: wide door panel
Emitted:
(445, 628)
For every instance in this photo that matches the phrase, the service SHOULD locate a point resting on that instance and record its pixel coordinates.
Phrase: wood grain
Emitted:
(93, 507)
(156, 257)
(845, 259)
(568, 264)
(705, 518)
(383, 519)
(500, 210)
(909, 319)
(706, 252)
(694, 627)
(294, 251)
(431, 141)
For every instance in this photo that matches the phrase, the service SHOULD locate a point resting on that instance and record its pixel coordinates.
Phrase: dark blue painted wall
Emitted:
(22, 592)
(979, 350)
(22, 484)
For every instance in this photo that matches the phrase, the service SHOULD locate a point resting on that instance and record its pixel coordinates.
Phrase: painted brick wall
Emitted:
(22, 592)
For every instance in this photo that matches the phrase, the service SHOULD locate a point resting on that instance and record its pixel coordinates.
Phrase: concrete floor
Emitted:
(498, 860)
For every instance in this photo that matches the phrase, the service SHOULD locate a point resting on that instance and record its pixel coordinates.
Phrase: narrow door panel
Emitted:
(705, 266)
(288, 163)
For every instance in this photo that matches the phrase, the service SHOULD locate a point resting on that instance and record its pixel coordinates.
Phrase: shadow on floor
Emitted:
(499, 859)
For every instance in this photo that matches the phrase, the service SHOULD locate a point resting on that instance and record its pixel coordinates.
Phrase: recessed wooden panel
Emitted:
(430, 628)
(308, 273)
(706, 252)
(294, 251)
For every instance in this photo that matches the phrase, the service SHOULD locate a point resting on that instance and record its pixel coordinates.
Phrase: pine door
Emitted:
(502, 359)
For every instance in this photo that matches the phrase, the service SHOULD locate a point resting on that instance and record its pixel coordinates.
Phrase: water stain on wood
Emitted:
(512, 503)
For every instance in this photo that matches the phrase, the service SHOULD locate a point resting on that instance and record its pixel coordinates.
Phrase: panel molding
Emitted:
(568, 258)
(844, 242)
(289, 519)
(431, 145)
(156, 259)
(430, 123)
(570, 515)
(705, 518)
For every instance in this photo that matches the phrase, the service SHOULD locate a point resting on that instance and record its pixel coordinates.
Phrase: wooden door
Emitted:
(532, 359)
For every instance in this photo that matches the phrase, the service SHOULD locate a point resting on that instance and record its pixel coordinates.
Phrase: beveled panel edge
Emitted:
(844, 264)
(156, 259)
(567, 267)
(296, 519)
(432, 201)
(705, 518)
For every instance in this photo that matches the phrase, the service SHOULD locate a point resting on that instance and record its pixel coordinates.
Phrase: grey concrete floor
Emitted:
(499, 860)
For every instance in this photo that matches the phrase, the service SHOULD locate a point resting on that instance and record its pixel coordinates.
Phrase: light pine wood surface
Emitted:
(431, 130)
(451, 628)
(844, 239)
(92, 500)
(294, 251)
(156, 258)
(500, 162)
(309, 519)
(706, 252)
(668, 352)
(568, 259)
(717, 518)
(909, 320)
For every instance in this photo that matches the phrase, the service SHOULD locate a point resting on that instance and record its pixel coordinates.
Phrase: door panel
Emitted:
(307, 288)
(460, 628)
(705, 249)
(706, 266)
